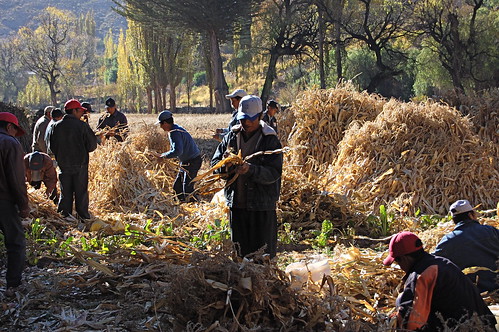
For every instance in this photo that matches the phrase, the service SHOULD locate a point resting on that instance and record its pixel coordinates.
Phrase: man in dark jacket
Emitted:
(270, 113)
(435, 292)
(13, 199)
(471, 244)
(71, 140)
(253, 195)
(113, 123)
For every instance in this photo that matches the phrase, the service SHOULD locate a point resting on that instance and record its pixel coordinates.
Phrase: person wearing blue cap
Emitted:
(252, 197)
(183, 147)
(471, 244)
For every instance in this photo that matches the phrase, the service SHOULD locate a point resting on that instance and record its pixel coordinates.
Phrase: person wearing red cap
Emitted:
(13, 198)
(436, 293)
(71, 140)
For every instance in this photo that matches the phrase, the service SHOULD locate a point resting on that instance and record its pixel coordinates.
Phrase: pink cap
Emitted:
(402, 244)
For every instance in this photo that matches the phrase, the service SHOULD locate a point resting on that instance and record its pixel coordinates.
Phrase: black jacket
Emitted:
(433, 287)
(71, 140)
(264, 176)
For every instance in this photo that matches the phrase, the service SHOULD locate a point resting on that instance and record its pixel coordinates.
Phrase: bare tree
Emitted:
(458, 29)
(43, 49)
(292, 31)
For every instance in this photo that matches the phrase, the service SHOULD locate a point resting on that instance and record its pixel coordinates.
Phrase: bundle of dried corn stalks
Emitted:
(419, 156)
(321, 117)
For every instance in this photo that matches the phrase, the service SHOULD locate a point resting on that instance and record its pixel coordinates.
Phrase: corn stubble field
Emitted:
(358, 169)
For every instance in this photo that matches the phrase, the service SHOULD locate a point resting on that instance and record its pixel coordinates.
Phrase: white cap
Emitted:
(460, 206)
(249, 107)
(236, 93)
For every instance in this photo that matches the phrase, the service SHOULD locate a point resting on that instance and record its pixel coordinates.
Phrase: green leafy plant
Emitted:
(214, 233)
(381, 223)
(288, 236)
(326, 230)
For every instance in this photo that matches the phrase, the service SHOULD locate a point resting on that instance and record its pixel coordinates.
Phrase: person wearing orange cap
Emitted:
(13, 199)
(436, 293)
(71, 140)
(40, 168)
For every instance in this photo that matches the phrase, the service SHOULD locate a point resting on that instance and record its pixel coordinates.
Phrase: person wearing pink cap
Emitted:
(13, 199)
(71, 140)
(472, 244)
(436, 293)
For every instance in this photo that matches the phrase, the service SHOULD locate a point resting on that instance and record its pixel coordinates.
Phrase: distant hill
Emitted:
(18, 13)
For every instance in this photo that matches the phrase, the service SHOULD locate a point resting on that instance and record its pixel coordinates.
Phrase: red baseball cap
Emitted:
(11, 118)
(402, 244)
(73, 104)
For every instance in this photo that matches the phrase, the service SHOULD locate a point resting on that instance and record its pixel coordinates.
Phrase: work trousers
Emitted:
(15, 243)
(251, 230)
(74, 182)
(183, 185)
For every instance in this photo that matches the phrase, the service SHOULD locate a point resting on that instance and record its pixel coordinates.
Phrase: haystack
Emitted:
(416, 156)
(321, 117)
(125, 177)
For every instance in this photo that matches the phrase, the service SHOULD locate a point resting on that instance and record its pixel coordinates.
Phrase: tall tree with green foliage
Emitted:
(214, 18)
(12, 76)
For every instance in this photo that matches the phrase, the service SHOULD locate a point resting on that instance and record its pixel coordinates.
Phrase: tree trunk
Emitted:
(269, 78)
(322, 72)
(220, 85)
(173, 98)
(337, 35)
(457, 55)
(149, 100)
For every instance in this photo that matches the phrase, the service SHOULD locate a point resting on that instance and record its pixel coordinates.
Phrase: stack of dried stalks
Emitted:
(416, 156)
(124, 176)
(321, 118)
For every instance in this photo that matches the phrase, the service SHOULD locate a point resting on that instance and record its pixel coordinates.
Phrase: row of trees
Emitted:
(396, 48)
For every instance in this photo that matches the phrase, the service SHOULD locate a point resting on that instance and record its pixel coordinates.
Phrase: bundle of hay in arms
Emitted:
(205, 182)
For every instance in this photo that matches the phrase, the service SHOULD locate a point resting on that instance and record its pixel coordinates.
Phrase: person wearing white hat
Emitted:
(472, 244)
(255, 184)
(235, 98)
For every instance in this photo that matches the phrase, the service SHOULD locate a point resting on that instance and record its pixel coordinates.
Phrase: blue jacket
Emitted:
(264, 176)
(472, 244)
(182, 145)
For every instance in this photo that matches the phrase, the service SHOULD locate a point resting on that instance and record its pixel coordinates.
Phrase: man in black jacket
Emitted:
(71, 140)
(13, 199)
(436, 293)
(253, 195)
